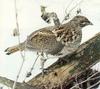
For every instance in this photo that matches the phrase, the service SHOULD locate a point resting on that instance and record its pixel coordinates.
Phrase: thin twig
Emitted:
(23, 56)
(93, 85)
(84, 80)
(29, 73)
(95, 78)
(76, 6)
(68, 6)
(68, 13)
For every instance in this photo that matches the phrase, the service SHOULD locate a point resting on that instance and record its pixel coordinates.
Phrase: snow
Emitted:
(29, 21)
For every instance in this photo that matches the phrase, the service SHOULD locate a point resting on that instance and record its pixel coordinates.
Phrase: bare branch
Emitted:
(63, 71)
(9, 83)
(84, 80)
(6, 81)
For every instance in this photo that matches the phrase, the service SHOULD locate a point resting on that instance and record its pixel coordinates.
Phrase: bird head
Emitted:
(82, 21)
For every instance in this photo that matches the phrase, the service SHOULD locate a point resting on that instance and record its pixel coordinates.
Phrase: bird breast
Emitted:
(69, 35)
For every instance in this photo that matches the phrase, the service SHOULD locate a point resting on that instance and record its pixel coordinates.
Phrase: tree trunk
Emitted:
(67, 71)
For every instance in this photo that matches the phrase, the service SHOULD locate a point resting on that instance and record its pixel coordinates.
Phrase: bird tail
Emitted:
(14, 49)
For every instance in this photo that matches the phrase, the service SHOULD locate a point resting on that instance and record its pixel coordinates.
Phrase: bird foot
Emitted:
(28, 74)
(45, 72)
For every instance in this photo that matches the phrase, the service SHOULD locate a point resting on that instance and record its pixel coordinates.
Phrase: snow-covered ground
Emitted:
(29, 21)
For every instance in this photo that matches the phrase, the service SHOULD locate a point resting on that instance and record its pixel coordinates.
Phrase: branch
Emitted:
(9, 83)
(94, 85)
(63, 72)
(88, 79)
(6, 81)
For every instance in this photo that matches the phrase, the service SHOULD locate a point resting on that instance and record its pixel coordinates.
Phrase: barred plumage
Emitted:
(62, 40)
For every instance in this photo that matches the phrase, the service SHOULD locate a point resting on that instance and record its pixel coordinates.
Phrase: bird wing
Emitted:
(65, 34)
(47, 31)
(41, 38)
(44, 40)
(44, 32)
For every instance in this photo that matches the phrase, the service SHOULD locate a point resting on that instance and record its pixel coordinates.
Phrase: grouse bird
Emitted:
(57, 41)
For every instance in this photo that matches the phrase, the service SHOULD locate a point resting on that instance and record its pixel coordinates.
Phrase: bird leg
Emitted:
(43, 60)
(30, 72)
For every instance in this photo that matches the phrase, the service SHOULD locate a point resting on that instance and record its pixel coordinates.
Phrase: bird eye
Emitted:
(82, 23)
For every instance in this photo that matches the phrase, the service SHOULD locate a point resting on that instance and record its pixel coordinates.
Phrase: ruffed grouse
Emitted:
(55, 41)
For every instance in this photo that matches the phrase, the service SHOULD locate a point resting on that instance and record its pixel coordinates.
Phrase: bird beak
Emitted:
(90, 23)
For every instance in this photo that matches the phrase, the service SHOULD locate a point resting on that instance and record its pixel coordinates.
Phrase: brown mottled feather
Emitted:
(51, 40)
